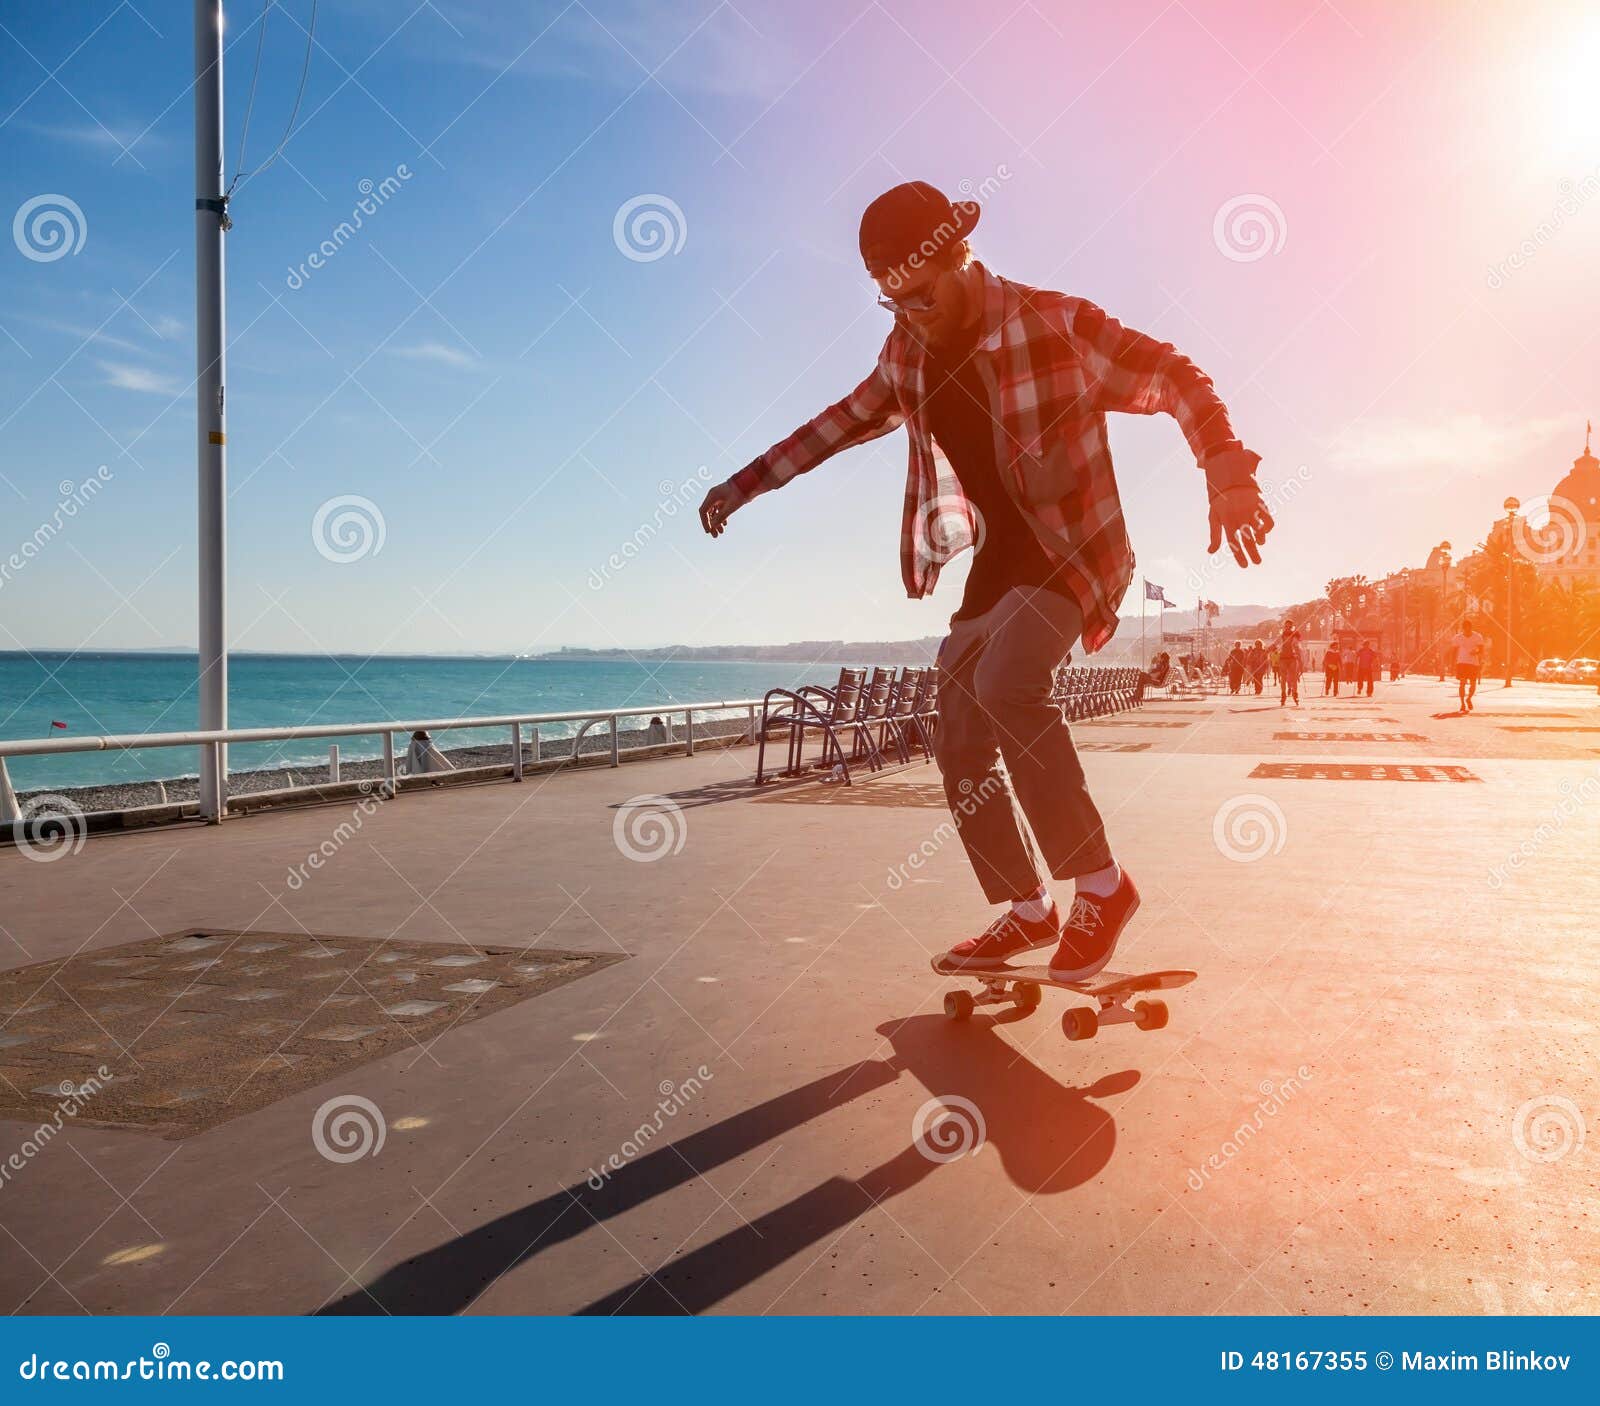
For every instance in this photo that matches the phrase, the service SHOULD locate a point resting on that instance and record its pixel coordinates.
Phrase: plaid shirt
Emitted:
(1054, 365)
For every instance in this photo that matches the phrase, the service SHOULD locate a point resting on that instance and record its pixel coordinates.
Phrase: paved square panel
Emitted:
(864, 791)
(1128, 722)
(156, 1048)
(1362, 771)
(1348, 737)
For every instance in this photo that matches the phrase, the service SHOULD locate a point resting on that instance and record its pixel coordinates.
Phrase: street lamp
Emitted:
(1510, 505)
(1405, 600)
(1443, 550)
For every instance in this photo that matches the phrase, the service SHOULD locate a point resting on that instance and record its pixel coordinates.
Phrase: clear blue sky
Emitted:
(511, 391)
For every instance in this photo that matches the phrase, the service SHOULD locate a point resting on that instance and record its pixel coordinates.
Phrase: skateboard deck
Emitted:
(1022, 986)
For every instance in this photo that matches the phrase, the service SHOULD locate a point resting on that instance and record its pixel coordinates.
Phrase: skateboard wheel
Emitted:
(1150, 1015)
(1080, 1023)
(1026, 994)
(958, 1004)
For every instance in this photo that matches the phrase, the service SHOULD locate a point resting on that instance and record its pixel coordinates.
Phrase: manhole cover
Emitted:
(1348, 737)
(1362, 771)
(179, 1033)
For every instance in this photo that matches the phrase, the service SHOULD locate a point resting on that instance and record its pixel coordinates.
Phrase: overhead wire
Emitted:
(299, 97)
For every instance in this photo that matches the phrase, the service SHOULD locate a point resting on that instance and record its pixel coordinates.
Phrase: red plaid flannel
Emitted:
(1057, 365)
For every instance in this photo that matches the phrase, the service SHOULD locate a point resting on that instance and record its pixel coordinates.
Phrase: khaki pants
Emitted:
(995, 676)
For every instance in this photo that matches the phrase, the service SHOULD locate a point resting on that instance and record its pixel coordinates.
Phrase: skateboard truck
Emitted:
(1112, 992)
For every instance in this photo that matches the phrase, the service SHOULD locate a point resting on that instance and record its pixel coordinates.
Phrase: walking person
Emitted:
(1468, 647)
(1290, 660)
(1366, 667)
(1234, 665)
(1004, 390)
(1347, 665)
(1256, 663)
(1330, 671)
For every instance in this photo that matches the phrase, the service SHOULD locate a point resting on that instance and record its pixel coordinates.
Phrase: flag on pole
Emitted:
(55, 724)
(1154, 592)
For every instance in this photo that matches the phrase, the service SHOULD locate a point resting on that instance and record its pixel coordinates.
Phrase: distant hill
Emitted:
(918, 651)
(921, 651)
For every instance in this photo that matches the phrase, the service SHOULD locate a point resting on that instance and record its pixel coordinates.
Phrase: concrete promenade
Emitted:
(1375, 1097)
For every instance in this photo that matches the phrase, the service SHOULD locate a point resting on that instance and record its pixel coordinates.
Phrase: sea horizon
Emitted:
(121, 693)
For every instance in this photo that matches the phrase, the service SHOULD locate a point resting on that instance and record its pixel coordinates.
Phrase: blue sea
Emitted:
(102, 694)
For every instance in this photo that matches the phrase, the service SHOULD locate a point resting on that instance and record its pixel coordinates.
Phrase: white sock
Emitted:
(1033, 910)
(1102, 883)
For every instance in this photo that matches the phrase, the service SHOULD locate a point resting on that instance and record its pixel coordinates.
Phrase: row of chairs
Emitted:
(876, 713)
(1187, 681)
(879, 714)
(1092, 693)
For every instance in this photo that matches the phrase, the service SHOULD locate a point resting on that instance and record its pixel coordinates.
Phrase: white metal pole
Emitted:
(1144, 592)
(210, 220)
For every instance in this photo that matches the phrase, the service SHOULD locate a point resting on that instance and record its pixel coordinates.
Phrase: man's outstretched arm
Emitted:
(866, 413)
(1137, 375)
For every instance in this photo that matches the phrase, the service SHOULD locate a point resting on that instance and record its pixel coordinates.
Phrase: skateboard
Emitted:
(1023, 987)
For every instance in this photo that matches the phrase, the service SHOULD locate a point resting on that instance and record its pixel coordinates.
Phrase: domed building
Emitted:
(1567, 544)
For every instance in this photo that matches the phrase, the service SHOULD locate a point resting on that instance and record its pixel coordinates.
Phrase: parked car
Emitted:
(1584, 670)
(1549, 670)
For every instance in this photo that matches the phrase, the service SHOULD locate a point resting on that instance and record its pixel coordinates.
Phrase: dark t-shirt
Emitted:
(959, 415)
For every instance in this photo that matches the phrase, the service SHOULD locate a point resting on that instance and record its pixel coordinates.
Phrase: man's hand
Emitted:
(1238, 510)
(717, 507)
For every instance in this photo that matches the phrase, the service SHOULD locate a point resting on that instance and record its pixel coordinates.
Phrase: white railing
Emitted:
(214, 744)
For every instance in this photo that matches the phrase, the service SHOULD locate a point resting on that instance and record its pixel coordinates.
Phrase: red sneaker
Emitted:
(1004, 938)
(1091, 931)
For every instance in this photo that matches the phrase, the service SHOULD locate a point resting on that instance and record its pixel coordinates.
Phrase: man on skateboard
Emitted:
(1004, 390)
(1468, 645)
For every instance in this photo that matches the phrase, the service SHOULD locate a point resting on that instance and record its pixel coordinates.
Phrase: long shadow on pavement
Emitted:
(1048, 1136)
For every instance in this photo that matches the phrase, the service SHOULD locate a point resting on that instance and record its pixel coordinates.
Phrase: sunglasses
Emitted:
(917, 302)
